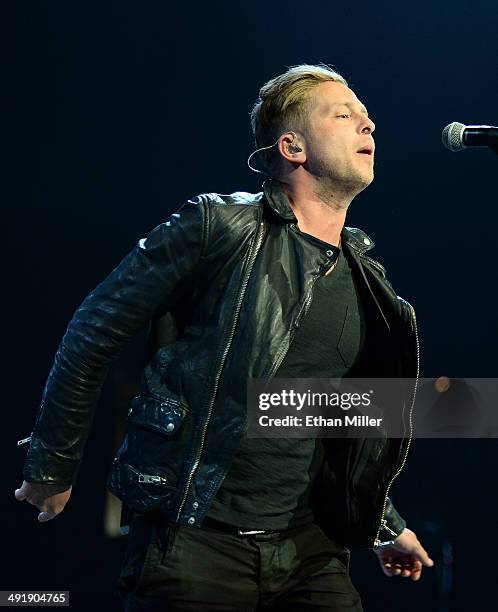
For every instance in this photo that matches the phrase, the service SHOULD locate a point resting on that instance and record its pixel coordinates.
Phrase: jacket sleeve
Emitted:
(394, 522)
(108, 317)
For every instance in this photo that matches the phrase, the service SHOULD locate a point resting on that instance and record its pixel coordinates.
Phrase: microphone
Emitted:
(457, 136)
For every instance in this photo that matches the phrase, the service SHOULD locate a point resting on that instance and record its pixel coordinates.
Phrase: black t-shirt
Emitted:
(269, 482)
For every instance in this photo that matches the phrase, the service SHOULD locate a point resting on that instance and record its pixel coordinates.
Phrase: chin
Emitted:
(366, 180)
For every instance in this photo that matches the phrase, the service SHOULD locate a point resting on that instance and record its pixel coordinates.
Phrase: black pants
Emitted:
(201, 569)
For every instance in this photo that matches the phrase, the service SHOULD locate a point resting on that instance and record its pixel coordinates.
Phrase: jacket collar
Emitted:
(279, 202)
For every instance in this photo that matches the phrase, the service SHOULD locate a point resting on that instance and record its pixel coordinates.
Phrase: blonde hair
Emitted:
(282, 105)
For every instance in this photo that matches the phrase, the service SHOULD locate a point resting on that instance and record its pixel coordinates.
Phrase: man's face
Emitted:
(336, 130)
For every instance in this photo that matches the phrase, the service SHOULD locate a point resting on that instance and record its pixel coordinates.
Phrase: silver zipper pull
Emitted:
(23, 441)
(386, 528)
(150, 479)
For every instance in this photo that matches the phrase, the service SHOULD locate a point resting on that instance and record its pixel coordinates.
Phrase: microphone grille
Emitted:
(452, 136)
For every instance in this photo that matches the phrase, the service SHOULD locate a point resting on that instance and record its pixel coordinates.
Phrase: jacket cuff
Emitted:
(393, 523)
(44, 466)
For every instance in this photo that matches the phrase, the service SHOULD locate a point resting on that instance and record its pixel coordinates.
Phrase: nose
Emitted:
(368, 127)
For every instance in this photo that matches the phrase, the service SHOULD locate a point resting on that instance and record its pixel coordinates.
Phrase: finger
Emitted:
(19, 494)
(387, 569)
(392, 565)
(416, 569)
(43, 517)
(30, 500)
(406, 569)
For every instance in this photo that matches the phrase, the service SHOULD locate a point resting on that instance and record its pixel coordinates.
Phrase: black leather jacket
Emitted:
(223, 286)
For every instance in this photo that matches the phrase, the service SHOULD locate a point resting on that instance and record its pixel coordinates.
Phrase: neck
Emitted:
(318, 214)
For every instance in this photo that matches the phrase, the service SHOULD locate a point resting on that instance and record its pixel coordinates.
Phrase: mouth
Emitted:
(366, 151)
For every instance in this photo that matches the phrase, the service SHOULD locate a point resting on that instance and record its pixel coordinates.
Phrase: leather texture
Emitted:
(222, 285)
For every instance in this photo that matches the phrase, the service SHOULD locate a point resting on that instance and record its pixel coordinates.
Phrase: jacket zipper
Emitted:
(24, 440)
(302, 312)
(145, 478)
(383, 521)
(258, 241)
(152, 479)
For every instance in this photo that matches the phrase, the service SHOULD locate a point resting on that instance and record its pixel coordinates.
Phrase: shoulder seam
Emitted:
(206, 223)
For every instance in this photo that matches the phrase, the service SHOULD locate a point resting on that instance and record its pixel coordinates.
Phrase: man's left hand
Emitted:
(405, 557)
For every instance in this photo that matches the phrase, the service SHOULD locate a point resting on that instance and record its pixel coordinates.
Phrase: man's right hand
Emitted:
(49, 498)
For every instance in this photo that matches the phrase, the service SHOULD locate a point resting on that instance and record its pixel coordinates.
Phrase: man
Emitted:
(237, 287)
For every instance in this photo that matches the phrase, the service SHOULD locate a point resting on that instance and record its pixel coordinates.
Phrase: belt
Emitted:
(211, 523)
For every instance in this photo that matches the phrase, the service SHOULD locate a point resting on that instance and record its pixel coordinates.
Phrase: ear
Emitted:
(286, 143)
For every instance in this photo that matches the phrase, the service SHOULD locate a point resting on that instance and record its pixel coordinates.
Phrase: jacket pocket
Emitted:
(148, 464)
(165, 415)
(142, 489)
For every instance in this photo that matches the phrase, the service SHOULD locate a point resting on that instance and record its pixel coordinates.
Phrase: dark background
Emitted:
(119, 111)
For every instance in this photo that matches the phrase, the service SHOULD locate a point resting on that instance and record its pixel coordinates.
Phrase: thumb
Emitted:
(43, 517)
(424, 557)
